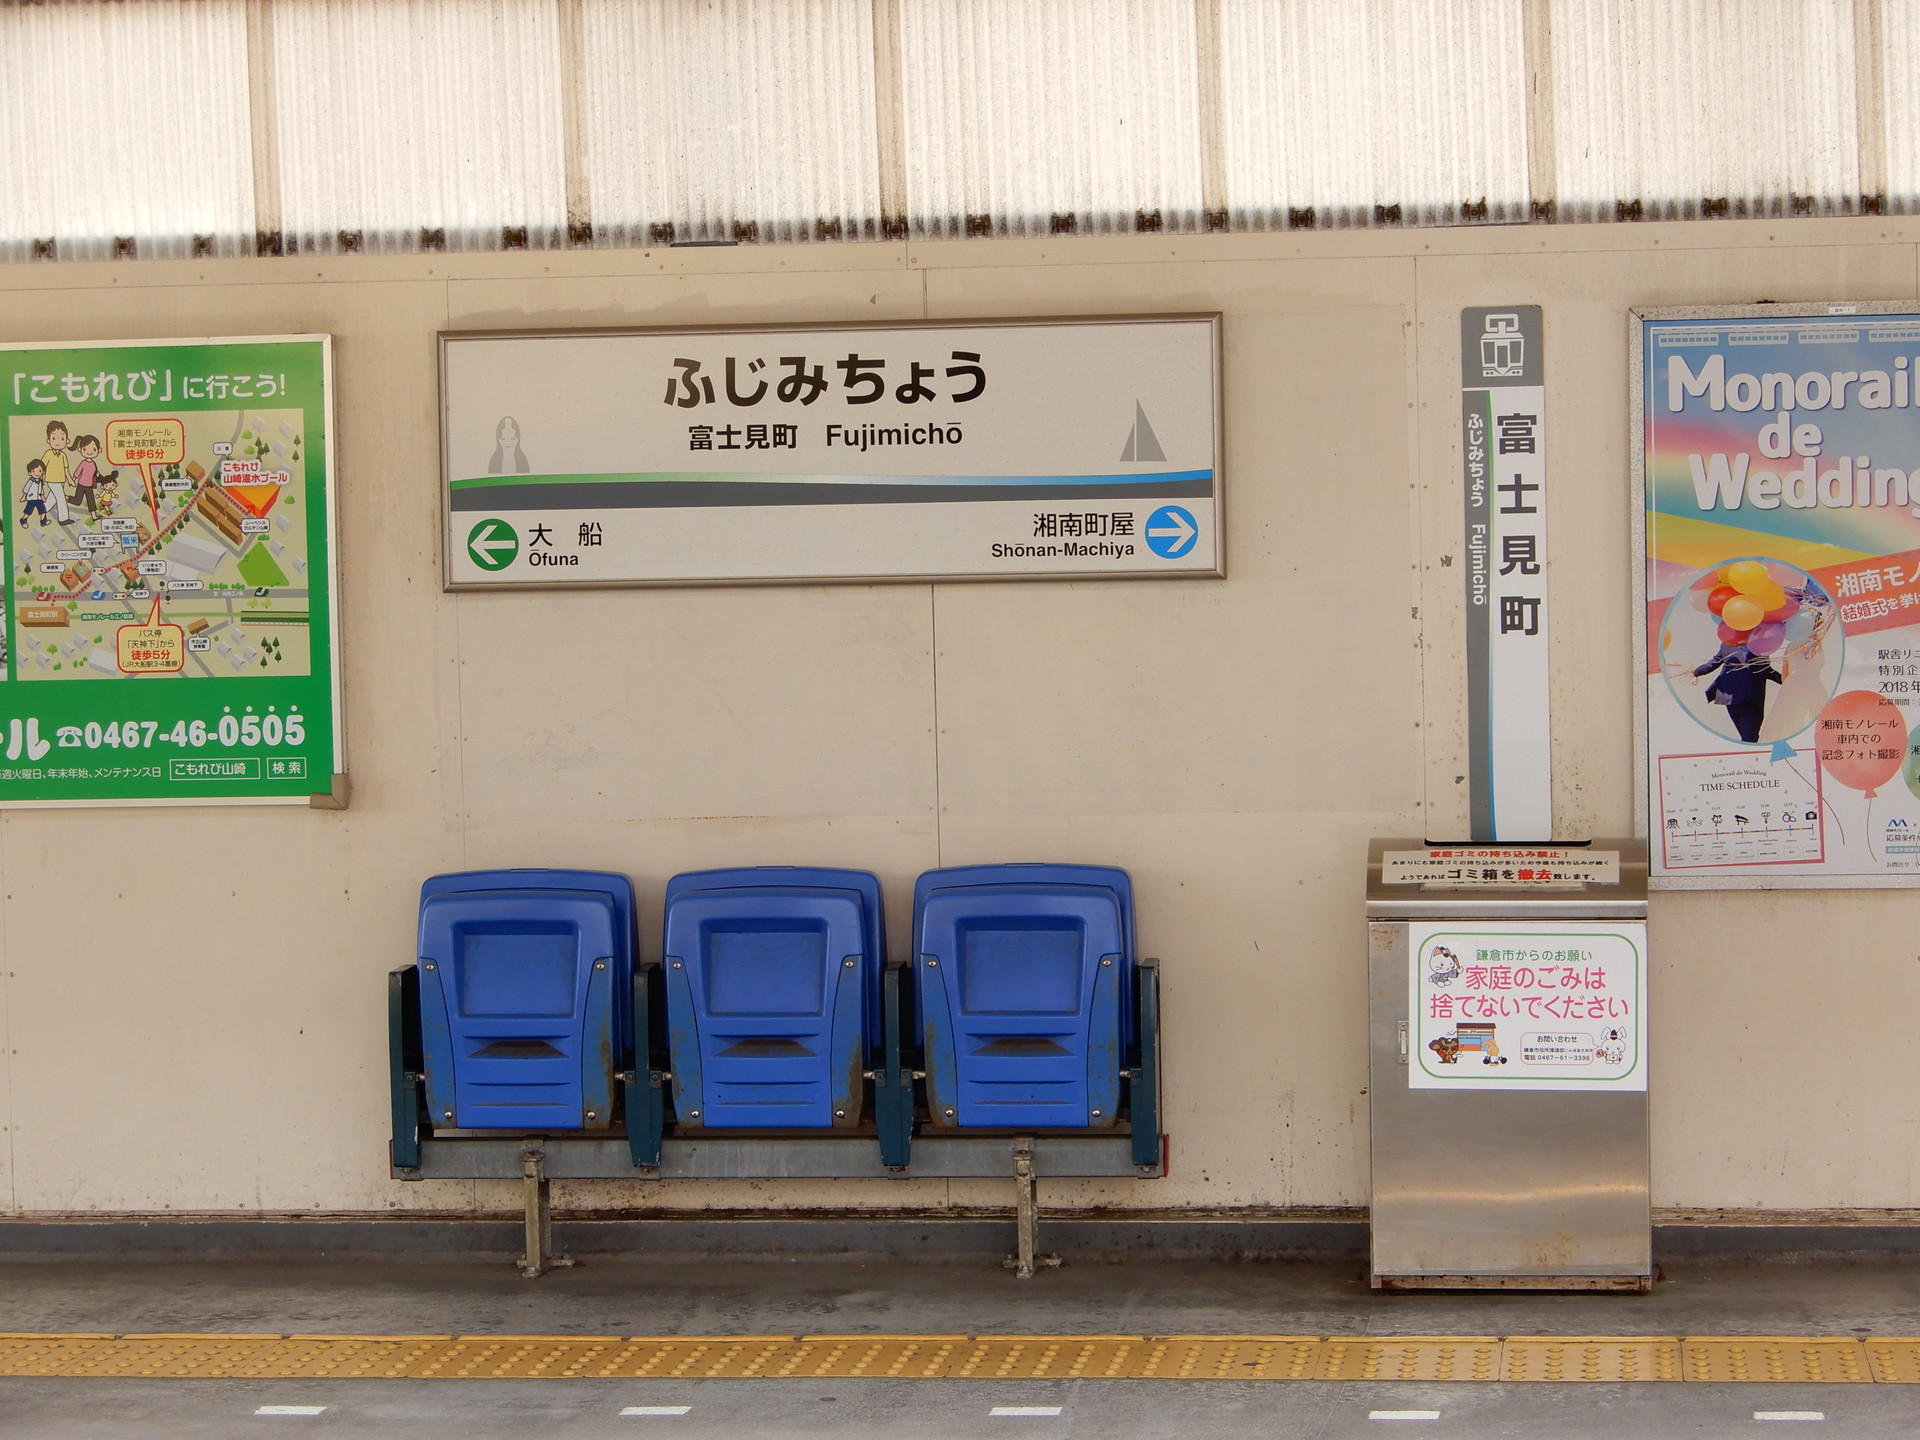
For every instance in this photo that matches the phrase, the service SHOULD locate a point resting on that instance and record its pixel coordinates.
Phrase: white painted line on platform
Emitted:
(1789, 1415)
(1403, 1414)
(291, 1410)
(656, 1410)
(1030, 1411)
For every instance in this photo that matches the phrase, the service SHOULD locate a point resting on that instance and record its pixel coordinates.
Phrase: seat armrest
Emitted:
(1143, 1091)
(404, 1065)
(893, 1081)
(643, 1083)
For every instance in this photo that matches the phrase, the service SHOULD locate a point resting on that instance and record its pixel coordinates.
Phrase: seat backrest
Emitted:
(1023, 990)
(862, 883)
(617, 888)
(516, 988)
(767, 989)
(1106, 877)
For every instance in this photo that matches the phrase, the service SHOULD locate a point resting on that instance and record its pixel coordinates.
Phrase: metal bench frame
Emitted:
(1134, 1147)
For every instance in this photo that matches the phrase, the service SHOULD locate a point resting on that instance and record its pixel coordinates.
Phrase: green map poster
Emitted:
(170, 603)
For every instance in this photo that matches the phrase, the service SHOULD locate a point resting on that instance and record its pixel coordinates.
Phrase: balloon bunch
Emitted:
(1753, 607)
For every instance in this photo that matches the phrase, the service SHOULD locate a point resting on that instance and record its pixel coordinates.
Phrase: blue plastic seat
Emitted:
(773, 995)
(1024, 983)
(525, 997)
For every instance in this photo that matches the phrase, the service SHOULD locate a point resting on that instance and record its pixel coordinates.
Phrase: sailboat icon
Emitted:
(1142, 444)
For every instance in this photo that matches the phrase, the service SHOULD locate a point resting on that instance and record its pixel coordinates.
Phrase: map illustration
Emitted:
(191, 519)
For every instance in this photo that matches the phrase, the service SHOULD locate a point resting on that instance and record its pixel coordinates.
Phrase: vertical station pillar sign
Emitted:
(1503, 446)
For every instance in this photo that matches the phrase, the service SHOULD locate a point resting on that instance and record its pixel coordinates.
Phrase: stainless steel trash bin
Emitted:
(1507, 1011)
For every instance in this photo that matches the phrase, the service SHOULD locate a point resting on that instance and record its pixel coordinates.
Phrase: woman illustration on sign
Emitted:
(508, 458)
(89, 480)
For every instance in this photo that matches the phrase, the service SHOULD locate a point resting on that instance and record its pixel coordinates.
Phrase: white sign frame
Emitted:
(1204, 556)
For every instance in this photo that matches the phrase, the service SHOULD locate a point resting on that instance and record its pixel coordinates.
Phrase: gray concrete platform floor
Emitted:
(611, 1295)
(936, 1410)
(760, 1296)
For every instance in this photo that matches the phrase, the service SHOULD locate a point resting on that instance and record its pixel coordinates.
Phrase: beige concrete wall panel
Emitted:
(626, 1197)
(895, 847)
(1256, 922)
(9, 1201)
(1736, 1125)
(187, 1034)
(682, 704)
(1198, 696)
(1589, 528)
(564, 300)
(725, 267)
(205, 985)
(1494, 242)
(233, 958)
(1729, 970)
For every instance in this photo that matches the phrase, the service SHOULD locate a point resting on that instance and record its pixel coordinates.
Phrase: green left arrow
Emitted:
(493, 544)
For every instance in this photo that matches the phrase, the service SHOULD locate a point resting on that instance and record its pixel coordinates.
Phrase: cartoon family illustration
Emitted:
(67, 474)
(1469, 1040)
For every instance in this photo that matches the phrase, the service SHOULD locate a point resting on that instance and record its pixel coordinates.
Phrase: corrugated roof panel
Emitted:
(125, 124)
(1373, 111)
(398, 117)
(175, 127)
(1900, 101)
(1018, 111)
(1704, 107)
(729, 119)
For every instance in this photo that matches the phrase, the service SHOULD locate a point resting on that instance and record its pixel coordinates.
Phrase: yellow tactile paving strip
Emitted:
(1895, 1361)
(1613, 1358)
(1778, 1357)
(1805, 1359)
(1227, 1357)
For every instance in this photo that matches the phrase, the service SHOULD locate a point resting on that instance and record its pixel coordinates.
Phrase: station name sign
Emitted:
(1046, 449)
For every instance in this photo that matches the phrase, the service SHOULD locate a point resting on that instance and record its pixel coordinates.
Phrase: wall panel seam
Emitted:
(6, 1023)
(1419, 534)
(933, 675)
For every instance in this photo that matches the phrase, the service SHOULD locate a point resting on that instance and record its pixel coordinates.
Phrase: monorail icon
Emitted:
(1503, 349)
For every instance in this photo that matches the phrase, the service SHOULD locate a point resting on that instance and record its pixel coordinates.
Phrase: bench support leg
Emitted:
(539, 1257)
(1026, 1215)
